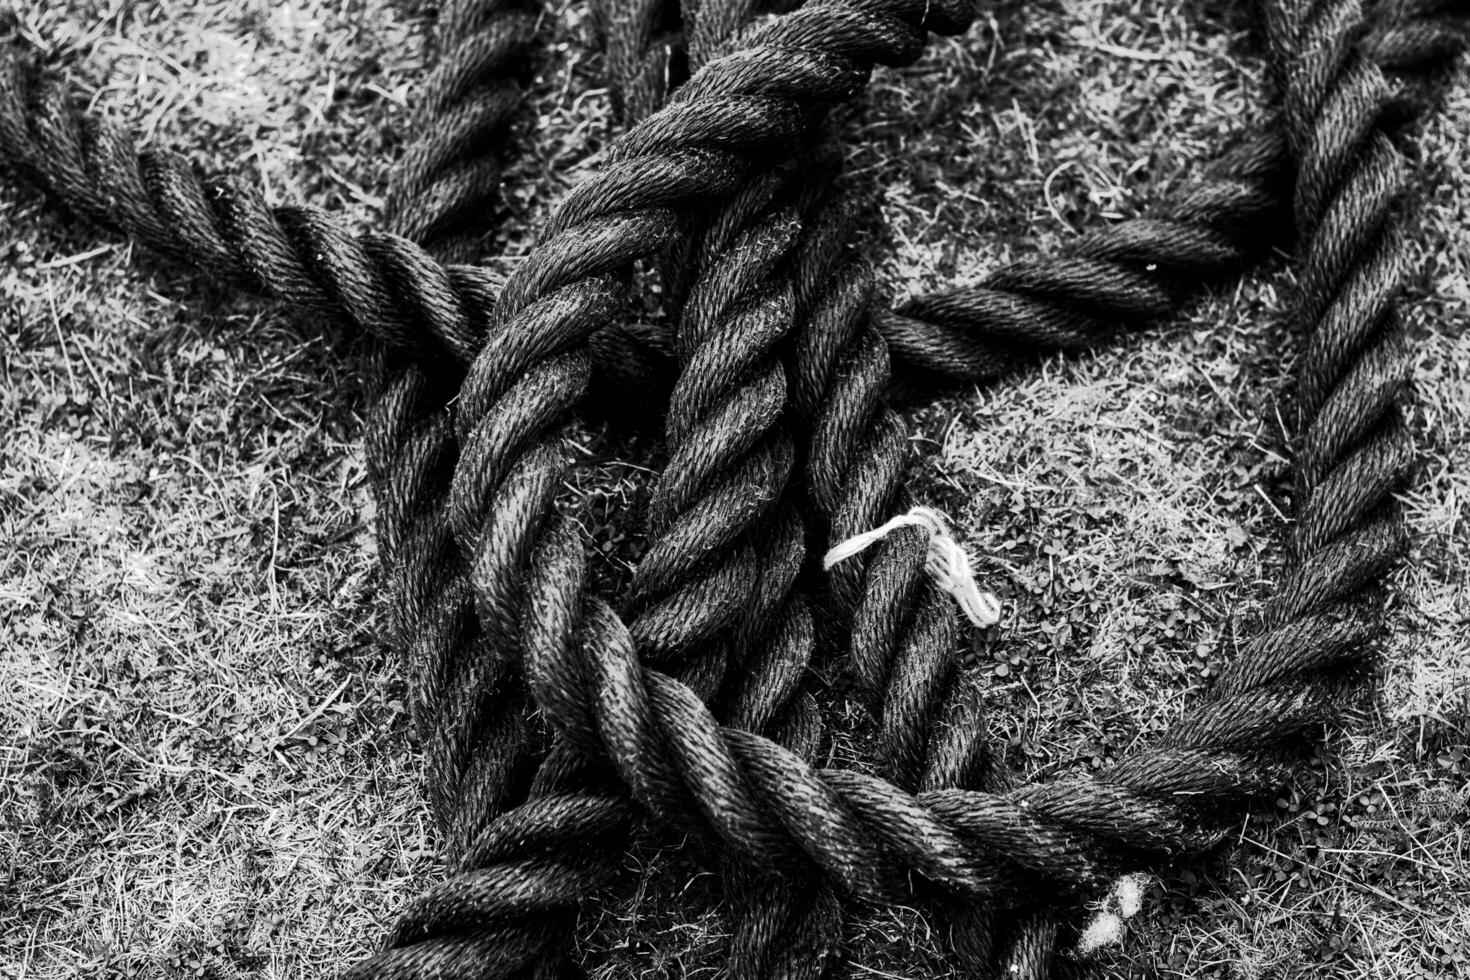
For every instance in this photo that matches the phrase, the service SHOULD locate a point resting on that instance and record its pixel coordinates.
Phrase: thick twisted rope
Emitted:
(1145, 270)
(1337, 110)
(600, 627)
(725, 413)
(872, 836)
(904, 634)
(469, 697)
(449, 175)
(1352, 446)
(640, 56)
(856, 472)
(307, 258)
(390, 287)
(531, 370)
(394, 290)
(479, 743)
(738, 313)
(521, 385)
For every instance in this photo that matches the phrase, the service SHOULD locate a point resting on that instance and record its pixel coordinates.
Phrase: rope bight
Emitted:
(767, 803)
(550, 718)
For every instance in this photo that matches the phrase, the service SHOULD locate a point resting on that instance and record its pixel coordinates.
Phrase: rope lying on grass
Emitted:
(843, 424)
(469, 698)
(1353, 448)
(395, 290)
(439, 195)
(871, 815)
(449, 176)
(640, 60)
(1142, 271)
(766, 803)
(513, 462)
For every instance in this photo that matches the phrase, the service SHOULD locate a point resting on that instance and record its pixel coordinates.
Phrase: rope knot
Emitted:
(947, 563)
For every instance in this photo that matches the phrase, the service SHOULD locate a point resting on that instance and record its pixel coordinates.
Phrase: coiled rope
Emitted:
(640, 57)
(395, 290)
(767, 803)
(763, 801)
(527, 464)
(1142, 271)
(449, 175)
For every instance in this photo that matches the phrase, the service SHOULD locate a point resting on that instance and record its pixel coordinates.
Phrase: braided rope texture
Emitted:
(696, 512)
(903, 636)
(874, 837)
(449, 175)
(1127, 275)
(764, 929)
(585, 662)
(640, 52)
(389, 286)
(902, 629)
(708, 566)
(1144, 271)
(733, 290)
(447, 178)
(484, 753)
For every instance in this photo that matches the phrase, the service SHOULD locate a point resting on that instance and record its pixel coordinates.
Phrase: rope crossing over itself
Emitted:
(435, 191)
(767, 803)
(554, 717)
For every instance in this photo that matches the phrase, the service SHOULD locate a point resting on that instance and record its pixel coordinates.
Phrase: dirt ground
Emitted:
(205, 766)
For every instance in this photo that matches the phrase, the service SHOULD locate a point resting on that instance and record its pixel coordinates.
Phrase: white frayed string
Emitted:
(947, 562)
(1122, 903)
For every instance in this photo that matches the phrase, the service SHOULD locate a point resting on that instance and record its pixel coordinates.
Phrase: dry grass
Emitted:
(204, 768)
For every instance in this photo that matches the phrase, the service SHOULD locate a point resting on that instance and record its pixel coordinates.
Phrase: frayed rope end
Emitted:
(946, 563)
(1123, 902)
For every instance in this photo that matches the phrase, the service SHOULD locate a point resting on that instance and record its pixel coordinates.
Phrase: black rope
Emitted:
(495, 575)
(1074, 832)
(1137, 273)
(643, 50)
(440, 195)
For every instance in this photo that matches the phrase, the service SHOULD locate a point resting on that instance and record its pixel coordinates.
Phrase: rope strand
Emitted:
(496, 574)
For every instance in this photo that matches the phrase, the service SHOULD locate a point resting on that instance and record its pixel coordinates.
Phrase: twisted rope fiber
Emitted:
(726, 411)
(402, 408)
(588, 730)
(300, 255)
(915, 618)
(846, 40)
(739, 312)
(720, 422)
(479, 746)
(907, 665)
(731, 322)
(640, 57)
(1242, 682)
(1163, 801)
(470, 702)
(905, 670)
(740, 319)
(1145, 270)
(392, 289)
(449, 175)
(1379, 462)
